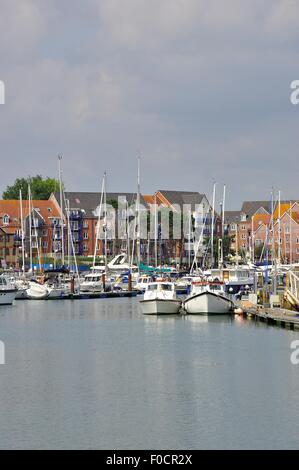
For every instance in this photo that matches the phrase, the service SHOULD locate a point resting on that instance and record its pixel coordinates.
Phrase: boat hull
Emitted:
(160, 307)
(37, 292)
(208, 303)
(7, 296)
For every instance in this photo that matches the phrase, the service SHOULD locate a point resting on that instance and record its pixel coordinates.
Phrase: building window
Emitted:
(45, 244)
(85, 235)
(75, 225)
(45, 233)
(233, 227)
(243, 245)
(243, 236)
(5, 219)
(297, 241)
(297, 251)
(243, 227)
(85, 224)
(49, 209)
(85, 247)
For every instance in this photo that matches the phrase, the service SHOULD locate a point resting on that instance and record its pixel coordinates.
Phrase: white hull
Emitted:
(7, 297)
(208, 302)
(37, 292)
(160, 307)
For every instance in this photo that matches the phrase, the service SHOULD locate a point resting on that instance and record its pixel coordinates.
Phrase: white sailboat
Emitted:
(160, 299)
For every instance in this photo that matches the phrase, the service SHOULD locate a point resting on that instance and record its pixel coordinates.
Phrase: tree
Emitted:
(41, 188)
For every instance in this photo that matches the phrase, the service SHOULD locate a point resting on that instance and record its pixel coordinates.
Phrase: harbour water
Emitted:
(96, 374)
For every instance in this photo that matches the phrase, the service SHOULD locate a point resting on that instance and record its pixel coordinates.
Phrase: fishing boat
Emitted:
(208, 297)
(160, 299)
(8, 291)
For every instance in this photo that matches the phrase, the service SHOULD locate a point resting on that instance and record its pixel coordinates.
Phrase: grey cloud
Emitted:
(200, 87)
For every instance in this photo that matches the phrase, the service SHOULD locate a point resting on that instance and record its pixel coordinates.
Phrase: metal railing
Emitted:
(293, 286)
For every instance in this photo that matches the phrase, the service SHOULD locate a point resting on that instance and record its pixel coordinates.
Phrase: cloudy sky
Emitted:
(201, 88)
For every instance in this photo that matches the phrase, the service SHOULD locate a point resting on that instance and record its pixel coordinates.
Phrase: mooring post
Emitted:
(130, 282)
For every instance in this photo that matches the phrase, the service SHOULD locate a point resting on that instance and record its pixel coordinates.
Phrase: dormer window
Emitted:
(6, 219)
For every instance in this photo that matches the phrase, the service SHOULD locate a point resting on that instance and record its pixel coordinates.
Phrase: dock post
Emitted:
(73, 285)
(104, 282)
(130, 282)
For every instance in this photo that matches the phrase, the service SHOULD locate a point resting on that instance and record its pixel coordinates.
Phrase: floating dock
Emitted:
(90, 295)
(281, 317)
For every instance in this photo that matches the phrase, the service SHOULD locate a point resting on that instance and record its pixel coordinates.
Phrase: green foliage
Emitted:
(41, 188)
(113, 203)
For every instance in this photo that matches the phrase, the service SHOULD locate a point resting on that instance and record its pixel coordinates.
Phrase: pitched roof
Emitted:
(182, 197)
(251, 207)
(46, 209)
(231, 217)
(88, 202)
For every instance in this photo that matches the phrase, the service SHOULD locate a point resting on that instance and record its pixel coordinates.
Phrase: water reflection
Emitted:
(99, 374)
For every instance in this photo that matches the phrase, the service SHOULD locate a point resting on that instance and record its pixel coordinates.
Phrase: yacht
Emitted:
(8, 291)
(208, 297)
(234, 278)
(160, 299)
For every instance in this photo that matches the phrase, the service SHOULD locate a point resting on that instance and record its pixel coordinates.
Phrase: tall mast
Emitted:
(189, 250)
(105, 221)
(138, 214)
(61, 208)
(222, 224)
(22, 232)
(273, 236)
(30, 228)
(156, 233)
(279, 226)
(252, 239)
(291, 241)
(212, 228)
(98, 224)
(237, 244)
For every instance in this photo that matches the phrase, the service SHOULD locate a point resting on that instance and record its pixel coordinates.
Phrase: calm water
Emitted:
(97, 374)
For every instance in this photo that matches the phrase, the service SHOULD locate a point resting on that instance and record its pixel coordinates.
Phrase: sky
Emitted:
(200, 89)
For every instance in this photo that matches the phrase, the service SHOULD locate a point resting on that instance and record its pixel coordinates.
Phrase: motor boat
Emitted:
(183, 284)
(208, 297)
(142, 283)
(8, 291)
(234, 278)
(160, 299)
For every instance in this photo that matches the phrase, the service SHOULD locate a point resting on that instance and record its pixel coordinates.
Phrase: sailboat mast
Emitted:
(279, 226)
(291, 241)
(138, 214)
(61, 208)
(105, 220)
(30, 228)
(98, 225)
(212, 227)
(22, 232)
(156, 233)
